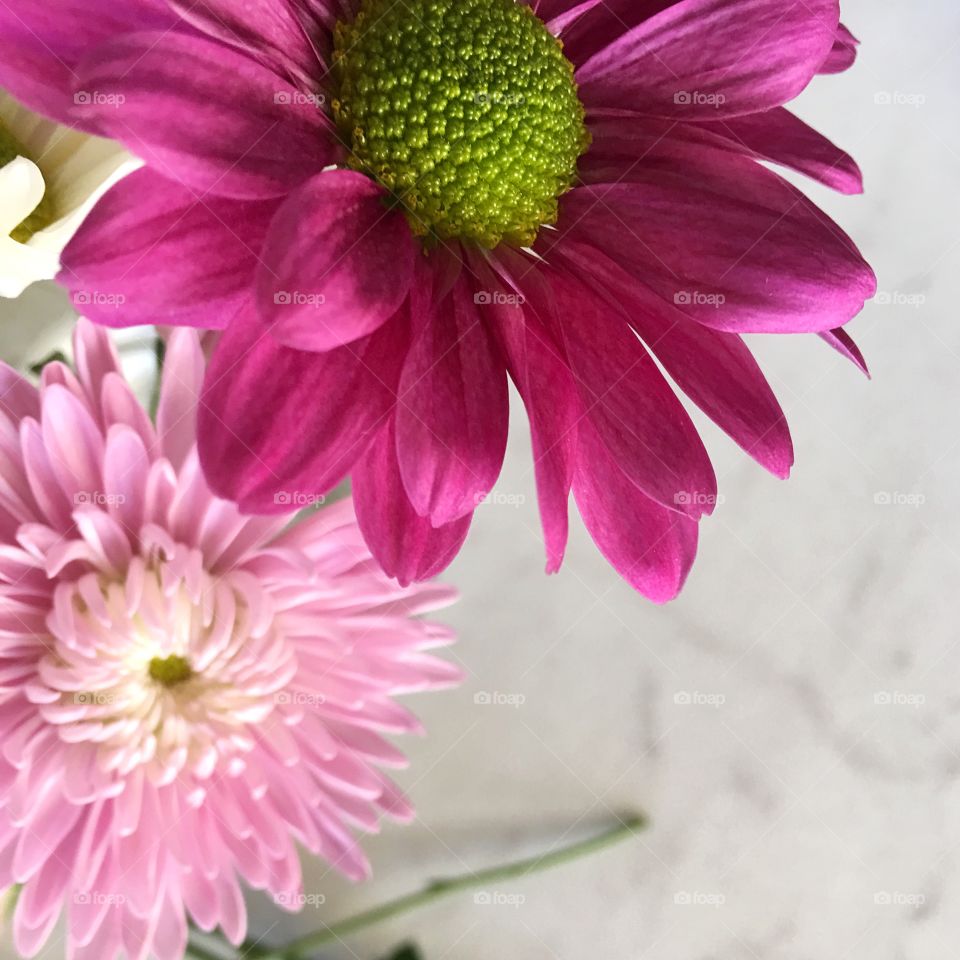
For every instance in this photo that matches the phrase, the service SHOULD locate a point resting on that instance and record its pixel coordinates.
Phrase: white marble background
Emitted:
(815, 801)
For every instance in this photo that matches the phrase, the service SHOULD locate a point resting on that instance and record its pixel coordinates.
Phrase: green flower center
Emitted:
(43, 215)
(170, 671)
(465, 110)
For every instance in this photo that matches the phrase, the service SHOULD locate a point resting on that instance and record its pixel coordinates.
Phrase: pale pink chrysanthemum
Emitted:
(186, 693)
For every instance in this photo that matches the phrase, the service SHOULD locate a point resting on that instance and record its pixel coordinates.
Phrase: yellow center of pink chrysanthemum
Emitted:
(168, 674)
(465, 110)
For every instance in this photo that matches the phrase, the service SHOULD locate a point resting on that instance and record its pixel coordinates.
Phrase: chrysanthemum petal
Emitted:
(452, 406)
(843, 54)
(185, 258)
(702, 59)
(637, 416)
(540, 372)
(405, 544)
(43, 43)
(781, 137)
(336, 263)
(268, 29)
(651, 547)
(278, 426)
(747, 251)
(844, 344)
(716, 370)
(203, 114)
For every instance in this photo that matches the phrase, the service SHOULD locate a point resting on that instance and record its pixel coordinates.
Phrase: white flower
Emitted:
(50, 178)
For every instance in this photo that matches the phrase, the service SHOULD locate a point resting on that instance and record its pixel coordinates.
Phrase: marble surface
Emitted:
(792, 723)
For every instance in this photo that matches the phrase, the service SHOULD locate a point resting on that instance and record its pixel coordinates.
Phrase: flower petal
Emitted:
(452, 406)
(844, 344)
(781, 137)
(43, 42)
(336, 263)
(732, 244)
(183, 369)
(651, 547)
(269, 29)
(155, 251)
(716, 370)
(405, 544)
(843, 53)
(636, 414)
(711, 58)
(205, 115)
(539, 369)
(278, 426)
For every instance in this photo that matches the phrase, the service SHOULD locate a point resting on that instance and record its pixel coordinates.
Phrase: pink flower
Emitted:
(392, 216)
(186, 693)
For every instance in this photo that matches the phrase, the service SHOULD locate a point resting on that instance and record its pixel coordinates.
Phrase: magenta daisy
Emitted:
(392, 209)
(187, 693)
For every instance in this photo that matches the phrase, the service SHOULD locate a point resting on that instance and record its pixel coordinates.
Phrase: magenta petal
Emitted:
(44, 41)
(651, 547)
(729, 242)
(337, 263)
(844, 344)
(780, 137)
(716, 370)
(540, 372)
(701, 59)
(843, 53)
(268, 29)
(206, 115)
(405, 544)
(635, 412)
(452, 407)
(565, 14)
(184, 260)
(277, 426)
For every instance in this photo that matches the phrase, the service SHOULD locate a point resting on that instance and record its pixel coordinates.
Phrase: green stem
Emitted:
(296, 950)
(198, 952)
